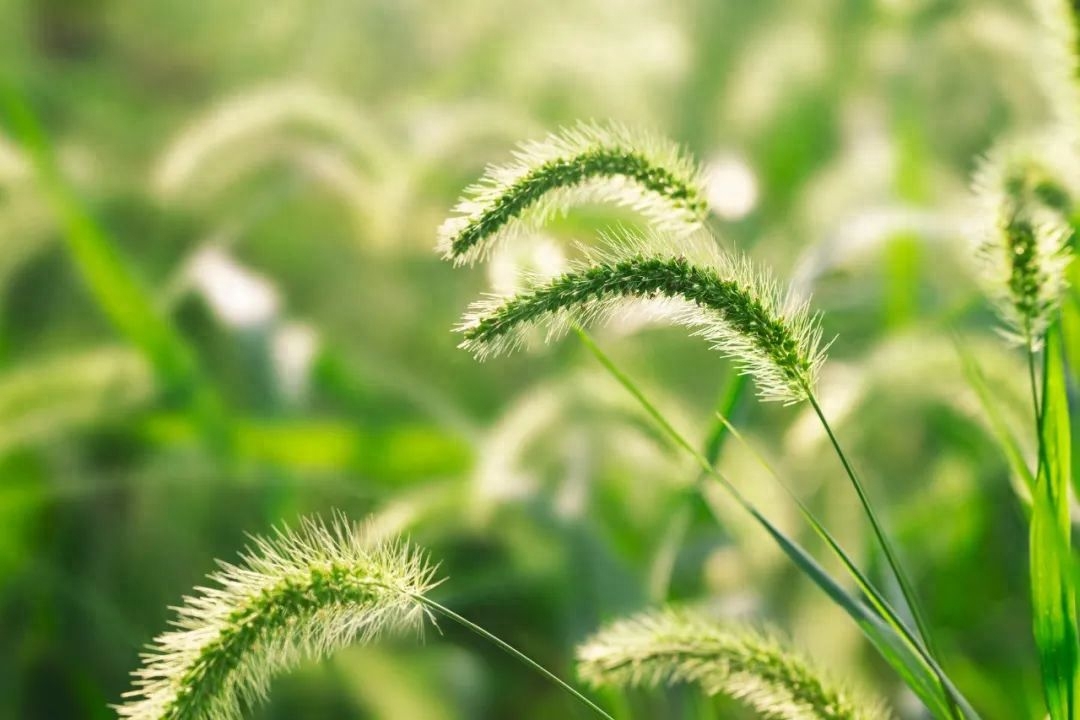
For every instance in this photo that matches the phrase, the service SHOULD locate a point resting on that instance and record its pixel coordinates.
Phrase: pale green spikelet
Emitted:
(740, 310)
(668, 646)
(300, 594)
(1025, 252)
(587, 163)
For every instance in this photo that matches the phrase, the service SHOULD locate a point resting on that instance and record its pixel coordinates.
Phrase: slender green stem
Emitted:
(1034, 382)
(881, 606)
(512, 651)
(891, 556)
(879, 532)
(877, 601)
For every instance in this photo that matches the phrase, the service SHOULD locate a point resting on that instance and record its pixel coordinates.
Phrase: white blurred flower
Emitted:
(731, 186)
(293, 350)
(238, 297)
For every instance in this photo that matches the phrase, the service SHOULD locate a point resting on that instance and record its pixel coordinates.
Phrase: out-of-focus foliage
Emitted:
(272, 175)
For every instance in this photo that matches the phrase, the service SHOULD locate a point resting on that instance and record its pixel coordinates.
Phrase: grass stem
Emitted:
(512, 651)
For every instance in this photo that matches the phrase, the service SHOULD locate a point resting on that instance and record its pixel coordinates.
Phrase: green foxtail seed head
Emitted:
(588, 163)
(1025, 252)
(662, 647)
(741, 311)
(300, 594)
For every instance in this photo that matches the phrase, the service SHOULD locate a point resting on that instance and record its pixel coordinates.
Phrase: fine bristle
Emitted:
(588, 163)
(740, 310)
(754, 667)
(300, 594)
(1023, 247)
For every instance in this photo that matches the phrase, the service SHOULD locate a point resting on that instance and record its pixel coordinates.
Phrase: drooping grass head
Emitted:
(588, 163)
(739, 309)
(301, 594)
(685, 646)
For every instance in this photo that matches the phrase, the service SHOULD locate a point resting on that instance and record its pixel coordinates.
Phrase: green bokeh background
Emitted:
(311, 148)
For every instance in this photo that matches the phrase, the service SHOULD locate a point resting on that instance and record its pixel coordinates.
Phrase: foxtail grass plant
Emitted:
(1026, 257)
(585, 164)
(745, 315)
(683, 646)
(301, 594)
(1025, 252)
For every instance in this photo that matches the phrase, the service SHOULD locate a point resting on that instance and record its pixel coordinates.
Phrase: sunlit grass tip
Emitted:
(299, 594)
(754, 667)
(742, 311)
(588, 163)
(1023, 248)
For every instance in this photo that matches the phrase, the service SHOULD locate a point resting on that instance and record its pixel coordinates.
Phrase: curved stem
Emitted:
(891, 555)
(512, 651)
(957, 707)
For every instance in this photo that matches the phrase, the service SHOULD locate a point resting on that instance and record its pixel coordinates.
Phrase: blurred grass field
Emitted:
(220, 309)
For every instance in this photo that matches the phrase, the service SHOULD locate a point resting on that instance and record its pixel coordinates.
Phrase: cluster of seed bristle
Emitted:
(739, 310)
(298, 595)
(1025, 255)
(659, 648)
(588, 163)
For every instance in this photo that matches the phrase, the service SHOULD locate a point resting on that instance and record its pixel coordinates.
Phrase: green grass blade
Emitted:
(917, 670)
(1010, 446)
(1052, 591)
(126, 304)
(664, 562)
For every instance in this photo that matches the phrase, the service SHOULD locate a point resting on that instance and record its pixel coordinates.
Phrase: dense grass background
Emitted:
(272, 174)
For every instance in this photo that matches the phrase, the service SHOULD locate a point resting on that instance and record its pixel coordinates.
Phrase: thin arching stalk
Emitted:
(512, 651)
(957, 706)
(891, 555)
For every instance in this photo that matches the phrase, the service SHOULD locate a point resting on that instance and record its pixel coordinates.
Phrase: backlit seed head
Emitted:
(664, 647)
(588, 163)
(740, 310)
(301, 594)
(1024, 248)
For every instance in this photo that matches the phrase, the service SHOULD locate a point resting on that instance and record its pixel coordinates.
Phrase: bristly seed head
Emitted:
(298, 595)
(589, 163)
(668, 646)
(1025, 254)
(741, 311)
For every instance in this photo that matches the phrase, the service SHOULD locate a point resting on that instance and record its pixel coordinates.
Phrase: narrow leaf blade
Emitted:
(1052, 592)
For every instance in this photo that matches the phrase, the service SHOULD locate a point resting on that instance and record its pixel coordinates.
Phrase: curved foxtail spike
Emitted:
(662, 647)
(588, 163)
(739, 309)
(299, 594)
(1025, 253)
